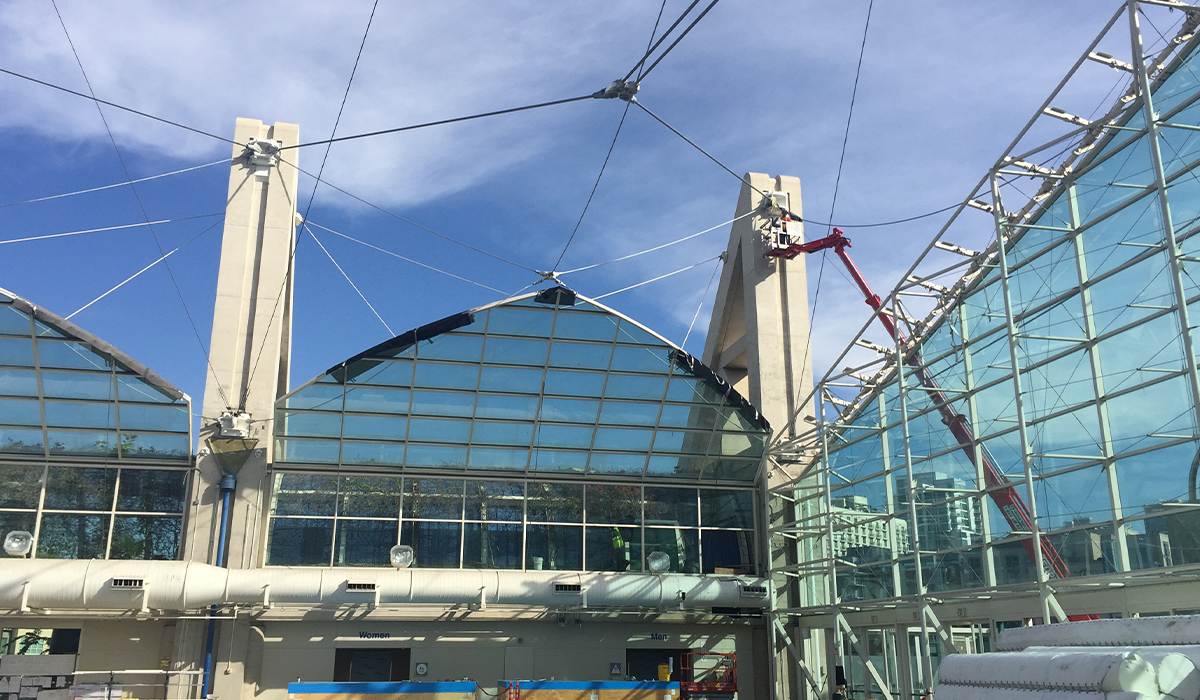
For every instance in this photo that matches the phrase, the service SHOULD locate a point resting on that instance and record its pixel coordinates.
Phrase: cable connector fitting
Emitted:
(548, 276)
(262, 155)
(618, 89)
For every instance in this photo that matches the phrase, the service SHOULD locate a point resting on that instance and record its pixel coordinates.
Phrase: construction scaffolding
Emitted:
(1050, 317)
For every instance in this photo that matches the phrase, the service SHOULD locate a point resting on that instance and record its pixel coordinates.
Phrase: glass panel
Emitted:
(492, 433)
(21, 441)
(656, 360)
(69, 355)
(614, 549)
(492, 546)
(633, 333)
(628, 413)
(157, 491)
(517, 321)
(614, 505)
(1169, 537)
(675, 467)
(300, 542)
(435, 545)
(508, 407)
(727, 508)
(582, 326)
(20, 413)
(14, 321)
(372, 453)
(569, 410)
(727, 552)
(364, 542)
(57, 385)
(580, 355)
(511, 351)
(558, 461)
(564, 436)
(443, 457)
(554, 502)
(369, 497)
(15, 382)
(70, 536)
(312, 424)
(492, 458)
(72, 488)
(166, 418)
(554, 547)
(442, 431)
(670, 506)
(1013, 562)
(20, 486)
(689, 416)
(522, 381)
(681, 441)
(577, 384)
(10, 521)
(380, 427)
(146, 537)
(132, 389)
(683, 546)
(630, 439)
(433, 498)
(304, 494)
(609, 463)
(375, 400)
(624, 386)
(865, 582)
(451, 346)
(495, 500)
(437, 403)
(80, 443)
(16, 352)
(381, 372)
(323, 397)
(446, 376)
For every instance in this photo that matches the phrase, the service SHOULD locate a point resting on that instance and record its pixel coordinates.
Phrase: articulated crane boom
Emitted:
(1001, 489)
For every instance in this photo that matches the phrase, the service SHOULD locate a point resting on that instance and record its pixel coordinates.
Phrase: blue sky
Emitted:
(764, 87)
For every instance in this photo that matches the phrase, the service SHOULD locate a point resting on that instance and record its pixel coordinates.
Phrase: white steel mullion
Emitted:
(985, 516)
(1022, 428)
(1093, 351)
(1173, 253)
(914, 533)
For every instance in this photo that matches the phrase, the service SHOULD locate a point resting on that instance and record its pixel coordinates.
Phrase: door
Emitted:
(642, 664)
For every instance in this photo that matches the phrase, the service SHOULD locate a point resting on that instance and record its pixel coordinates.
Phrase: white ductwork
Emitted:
(1098, 671)
(174, 585)
(1135, 631)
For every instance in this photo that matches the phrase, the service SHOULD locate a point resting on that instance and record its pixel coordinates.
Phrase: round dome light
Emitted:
(401, 556)
(658, 562)
(18, 543)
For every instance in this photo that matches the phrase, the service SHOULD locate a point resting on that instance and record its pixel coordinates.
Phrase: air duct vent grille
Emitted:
(360, 587)
(749, 591)
(129, 583)
(567, 588)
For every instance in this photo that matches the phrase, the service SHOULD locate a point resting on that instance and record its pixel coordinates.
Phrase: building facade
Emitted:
(1033, 425)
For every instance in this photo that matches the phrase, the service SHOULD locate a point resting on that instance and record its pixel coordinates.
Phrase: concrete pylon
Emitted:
(758, 337)
(252, 327)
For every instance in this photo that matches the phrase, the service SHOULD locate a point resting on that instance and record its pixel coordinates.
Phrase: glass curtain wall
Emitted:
(1054, 388)
(553, 415)
(94, 449)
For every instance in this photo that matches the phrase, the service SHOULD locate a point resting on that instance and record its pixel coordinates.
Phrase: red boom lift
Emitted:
(1003, 492)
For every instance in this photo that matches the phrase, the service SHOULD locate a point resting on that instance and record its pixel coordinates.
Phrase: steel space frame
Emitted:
(1053, 150)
